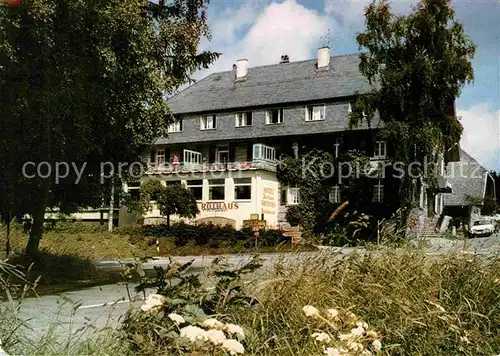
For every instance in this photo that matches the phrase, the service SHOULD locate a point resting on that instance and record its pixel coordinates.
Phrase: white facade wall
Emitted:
(263, 200)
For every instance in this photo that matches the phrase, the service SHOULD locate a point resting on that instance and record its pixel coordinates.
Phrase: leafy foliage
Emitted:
(186, 295)
(84, 82)
(170, 200)
(210, 235)
(314, 174)
(417, 65)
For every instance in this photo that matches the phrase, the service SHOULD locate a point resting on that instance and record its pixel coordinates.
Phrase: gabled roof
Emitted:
(468, 179)
(273, 84)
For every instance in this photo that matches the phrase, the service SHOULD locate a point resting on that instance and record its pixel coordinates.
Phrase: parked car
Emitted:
(483, 227)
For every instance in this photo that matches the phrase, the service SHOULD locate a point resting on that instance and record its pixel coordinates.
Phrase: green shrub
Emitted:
(208, 235)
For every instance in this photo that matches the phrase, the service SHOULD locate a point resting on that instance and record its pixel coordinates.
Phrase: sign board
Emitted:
(259, 224)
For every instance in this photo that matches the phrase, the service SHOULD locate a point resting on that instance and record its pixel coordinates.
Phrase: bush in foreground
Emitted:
(385, 301)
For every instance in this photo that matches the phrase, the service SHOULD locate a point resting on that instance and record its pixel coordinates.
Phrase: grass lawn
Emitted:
(67, 251)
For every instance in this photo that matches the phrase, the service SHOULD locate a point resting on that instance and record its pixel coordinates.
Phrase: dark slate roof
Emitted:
(467, 178)
(272, 84)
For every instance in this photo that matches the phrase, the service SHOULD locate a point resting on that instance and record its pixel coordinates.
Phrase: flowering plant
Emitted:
(341, 333)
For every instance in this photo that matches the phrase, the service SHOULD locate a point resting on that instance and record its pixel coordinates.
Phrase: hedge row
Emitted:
(211, 235)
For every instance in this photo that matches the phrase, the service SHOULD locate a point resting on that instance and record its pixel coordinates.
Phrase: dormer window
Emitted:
(243, 119)
(349, 109)
(315, 113)
(274, 116)
(208, 122)
(176, 126)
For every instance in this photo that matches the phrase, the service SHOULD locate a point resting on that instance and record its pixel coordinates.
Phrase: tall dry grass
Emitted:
(448, 305)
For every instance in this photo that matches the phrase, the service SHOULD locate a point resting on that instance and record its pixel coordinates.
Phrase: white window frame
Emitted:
(334, 195)
(210, 185)
(188, 186)
(312, 113)
(281, 114)
(336, 147)
(239, 184)
(380, 151)
(208, 122)
(262, 152)
(378, 192)
(293, 196)
(176, 126)
(191, 157)
(242, 119)
(160, 153)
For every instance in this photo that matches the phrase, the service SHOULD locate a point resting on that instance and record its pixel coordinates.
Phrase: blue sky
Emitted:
(263, 30)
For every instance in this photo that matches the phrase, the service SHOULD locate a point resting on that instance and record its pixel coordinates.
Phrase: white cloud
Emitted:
(481, 137)
(351, 13)
(274, 30)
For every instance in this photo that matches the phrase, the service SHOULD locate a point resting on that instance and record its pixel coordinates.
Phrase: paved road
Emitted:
(105, 305)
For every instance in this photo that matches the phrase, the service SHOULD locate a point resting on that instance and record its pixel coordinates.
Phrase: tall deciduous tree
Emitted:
(83, 82)
(417, 65)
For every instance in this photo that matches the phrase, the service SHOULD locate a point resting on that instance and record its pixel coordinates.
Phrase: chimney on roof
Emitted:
(241, 68)
(285, 59)
(323, 57)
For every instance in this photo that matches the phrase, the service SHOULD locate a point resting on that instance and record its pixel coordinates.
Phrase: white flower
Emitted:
(330, 351)
(233, 346)
(178, 319)
(377, 345)
(464, 339)
(235, 329)
(193, 333)
(322, 337)
(362, 324)
(153, 301)
(216, 337)
(212, 324)
(355, 346)
(359, 331)
(332, 313)
(372, 334)
(309, 310)
(351, 317)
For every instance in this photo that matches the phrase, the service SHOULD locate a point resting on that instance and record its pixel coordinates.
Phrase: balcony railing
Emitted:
(211, 167)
